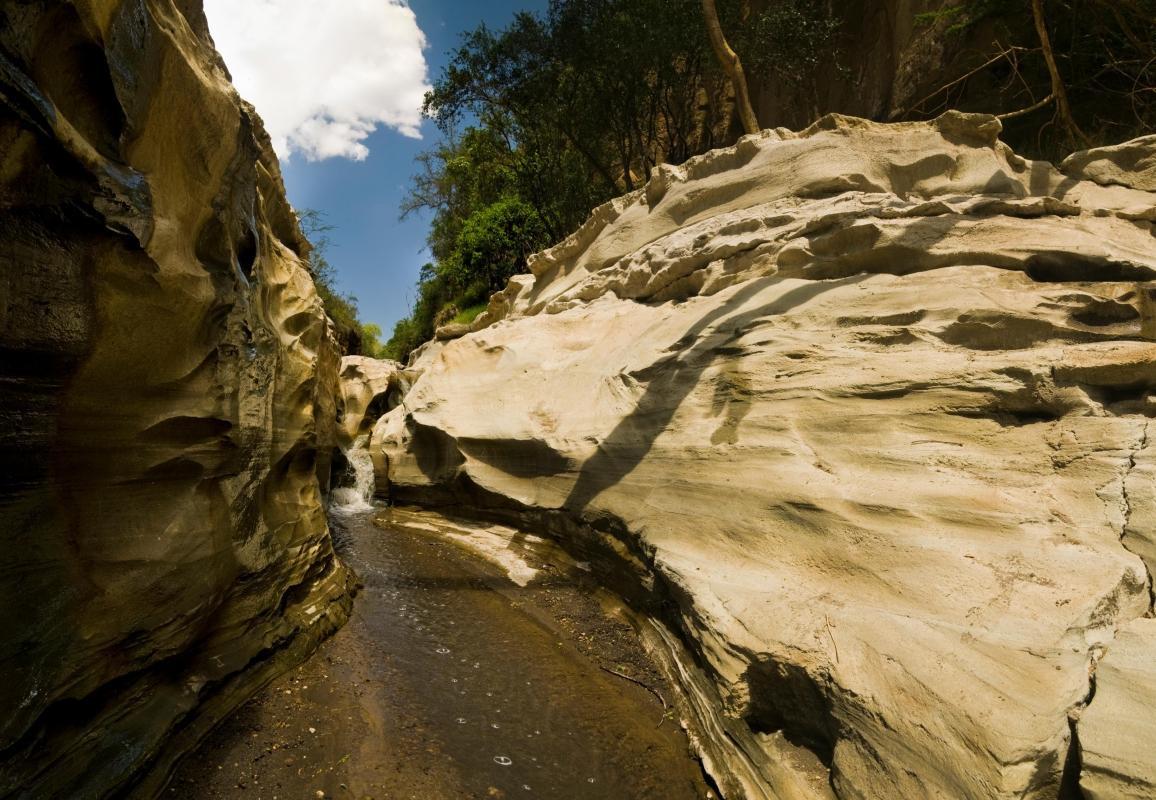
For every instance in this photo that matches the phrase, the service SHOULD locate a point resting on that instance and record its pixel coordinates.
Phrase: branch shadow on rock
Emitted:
(675, 377)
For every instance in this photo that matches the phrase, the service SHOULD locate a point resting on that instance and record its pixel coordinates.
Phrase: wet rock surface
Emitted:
(167, 380)
(864, 410)
(453, 681)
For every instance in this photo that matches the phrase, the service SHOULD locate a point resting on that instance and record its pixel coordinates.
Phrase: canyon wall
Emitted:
(860, 416)
(167, 395)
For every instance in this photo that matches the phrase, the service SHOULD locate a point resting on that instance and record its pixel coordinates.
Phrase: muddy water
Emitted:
(452, 681)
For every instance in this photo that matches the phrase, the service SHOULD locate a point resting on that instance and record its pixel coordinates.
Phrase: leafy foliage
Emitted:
(494, 244)
(561, 113)
(789, 40)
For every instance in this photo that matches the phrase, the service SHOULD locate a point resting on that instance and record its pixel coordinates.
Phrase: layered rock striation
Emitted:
(167, 391)
(862, 416)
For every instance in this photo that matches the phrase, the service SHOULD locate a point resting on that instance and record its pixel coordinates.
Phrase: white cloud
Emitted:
(324, 75)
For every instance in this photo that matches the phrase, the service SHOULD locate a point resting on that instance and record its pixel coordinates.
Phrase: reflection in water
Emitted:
(451, 682)
(510, 701)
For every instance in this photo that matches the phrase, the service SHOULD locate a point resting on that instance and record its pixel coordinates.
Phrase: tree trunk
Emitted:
(1059, 91)
(732, 66)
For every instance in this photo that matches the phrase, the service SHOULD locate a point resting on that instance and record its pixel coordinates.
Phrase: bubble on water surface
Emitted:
(443, 650)
(495, 725)
(502, 760)
(461, 720)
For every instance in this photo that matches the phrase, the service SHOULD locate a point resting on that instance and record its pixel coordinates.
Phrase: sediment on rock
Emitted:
(167, 397)
(865, 399)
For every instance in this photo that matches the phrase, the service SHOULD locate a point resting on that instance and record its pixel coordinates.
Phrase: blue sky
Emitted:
(377, 257)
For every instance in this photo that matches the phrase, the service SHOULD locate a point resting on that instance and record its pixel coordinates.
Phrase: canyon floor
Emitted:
(453, 681)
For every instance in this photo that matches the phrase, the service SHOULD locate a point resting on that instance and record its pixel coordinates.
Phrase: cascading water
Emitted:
(356, 499)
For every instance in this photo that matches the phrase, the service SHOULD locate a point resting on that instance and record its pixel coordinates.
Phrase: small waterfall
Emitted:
(356, 499)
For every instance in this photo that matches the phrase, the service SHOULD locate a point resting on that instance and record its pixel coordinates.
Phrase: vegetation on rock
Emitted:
(558, 113)
(546, 120)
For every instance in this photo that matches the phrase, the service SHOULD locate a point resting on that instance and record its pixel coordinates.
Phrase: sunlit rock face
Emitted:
(869, 406)
(167, 380)
(369, 388)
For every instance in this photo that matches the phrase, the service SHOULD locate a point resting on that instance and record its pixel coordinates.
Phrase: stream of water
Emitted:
(349, 501)
(452, 681)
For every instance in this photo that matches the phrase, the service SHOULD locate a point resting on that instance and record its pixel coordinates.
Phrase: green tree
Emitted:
(560, 113)
(494, 244)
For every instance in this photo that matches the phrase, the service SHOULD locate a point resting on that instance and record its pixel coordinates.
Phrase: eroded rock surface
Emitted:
(864, 410)
(167, 384)
(1118, 728)
(366, 387)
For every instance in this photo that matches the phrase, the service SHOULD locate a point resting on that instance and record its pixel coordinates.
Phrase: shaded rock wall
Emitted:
(863, 412)
(166, 386)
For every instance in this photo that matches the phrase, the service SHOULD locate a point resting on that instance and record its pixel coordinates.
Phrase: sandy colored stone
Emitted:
(366, 384)
(1118, 729)
(166, 399)
(863, 410)
(1131, 164)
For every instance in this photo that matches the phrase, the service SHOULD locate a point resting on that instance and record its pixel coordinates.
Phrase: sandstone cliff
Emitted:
(166, 391)
(369, 387)
(861, 414)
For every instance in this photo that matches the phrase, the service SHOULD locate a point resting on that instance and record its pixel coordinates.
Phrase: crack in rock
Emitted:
(1127, 510)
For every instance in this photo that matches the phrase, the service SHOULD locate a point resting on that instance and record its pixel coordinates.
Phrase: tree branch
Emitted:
(732, 66)
(1058, 89)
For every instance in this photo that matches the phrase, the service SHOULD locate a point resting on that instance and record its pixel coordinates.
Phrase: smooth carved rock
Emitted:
(366, 384)
(863, 413)
(167, 380)
(1132, 164)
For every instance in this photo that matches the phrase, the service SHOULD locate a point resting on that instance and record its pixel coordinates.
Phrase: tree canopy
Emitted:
(545, 120)
(560, 112)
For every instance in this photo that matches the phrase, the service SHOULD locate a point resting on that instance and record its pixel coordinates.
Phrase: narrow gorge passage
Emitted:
(452, 681)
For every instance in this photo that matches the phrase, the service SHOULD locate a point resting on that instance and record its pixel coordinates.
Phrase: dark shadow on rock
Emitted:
(733, 399)
(522, 458)
(435, 451)
(674, 378)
